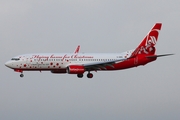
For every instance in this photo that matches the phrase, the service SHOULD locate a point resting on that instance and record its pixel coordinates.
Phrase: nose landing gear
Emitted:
(20, 71)
(21, 75)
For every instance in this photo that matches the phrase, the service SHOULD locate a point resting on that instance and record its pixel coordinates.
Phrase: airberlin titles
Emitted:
(61, 57)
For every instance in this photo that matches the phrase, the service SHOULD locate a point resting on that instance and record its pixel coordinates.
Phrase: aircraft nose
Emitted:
(8, 64)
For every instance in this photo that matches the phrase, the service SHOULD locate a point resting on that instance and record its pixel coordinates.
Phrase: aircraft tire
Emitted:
(21, 75)
(79, 75)
(89, 75)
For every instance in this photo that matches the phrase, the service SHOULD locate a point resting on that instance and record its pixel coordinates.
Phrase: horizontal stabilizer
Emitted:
(155, 56)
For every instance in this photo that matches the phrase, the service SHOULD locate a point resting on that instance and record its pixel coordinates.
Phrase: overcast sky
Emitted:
(150, 92)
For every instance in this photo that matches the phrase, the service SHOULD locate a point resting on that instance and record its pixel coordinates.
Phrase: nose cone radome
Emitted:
(8, 64)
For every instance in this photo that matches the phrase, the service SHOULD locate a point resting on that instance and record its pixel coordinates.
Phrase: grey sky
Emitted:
(143, 93)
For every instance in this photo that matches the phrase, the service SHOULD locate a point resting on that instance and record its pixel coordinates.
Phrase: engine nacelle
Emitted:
(75, 69)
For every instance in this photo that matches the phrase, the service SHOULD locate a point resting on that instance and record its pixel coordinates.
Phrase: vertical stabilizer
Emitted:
(147, 46)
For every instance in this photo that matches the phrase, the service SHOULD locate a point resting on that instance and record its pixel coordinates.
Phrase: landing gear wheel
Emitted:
(79, 75)
(21, 75)
(90, 75)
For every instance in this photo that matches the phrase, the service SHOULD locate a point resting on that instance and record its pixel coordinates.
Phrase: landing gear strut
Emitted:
(20, 71)
(90, 75)
(21, 75)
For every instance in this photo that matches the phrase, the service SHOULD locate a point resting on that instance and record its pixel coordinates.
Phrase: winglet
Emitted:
(77, 49)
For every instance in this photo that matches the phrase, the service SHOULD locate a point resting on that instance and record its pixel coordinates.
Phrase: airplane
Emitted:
(78, 63)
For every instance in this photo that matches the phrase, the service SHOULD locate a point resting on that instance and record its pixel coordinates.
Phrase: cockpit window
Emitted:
(15, 59)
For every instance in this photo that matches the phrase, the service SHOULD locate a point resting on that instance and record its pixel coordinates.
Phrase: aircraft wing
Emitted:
(101, 65)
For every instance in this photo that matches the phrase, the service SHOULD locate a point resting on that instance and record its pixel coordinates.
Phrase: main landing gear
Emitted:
(79, 75)
(89, 75)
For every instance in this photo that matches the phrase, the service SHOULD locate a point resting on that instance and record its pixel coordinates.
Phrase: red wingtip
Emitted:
(77, 49)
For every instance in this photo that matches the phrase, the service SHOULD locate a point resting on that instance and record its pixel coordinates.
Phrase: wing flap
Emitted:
(101, 65)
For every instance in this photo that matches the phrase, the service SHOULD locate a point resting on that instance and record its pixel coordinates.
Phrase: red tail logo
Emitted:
(148, 43)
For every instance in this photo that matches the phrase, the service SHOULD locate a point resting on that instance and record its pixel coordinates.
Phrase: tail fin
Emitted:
(148, 43)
